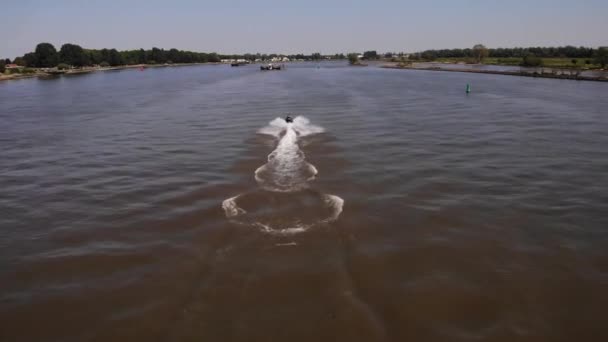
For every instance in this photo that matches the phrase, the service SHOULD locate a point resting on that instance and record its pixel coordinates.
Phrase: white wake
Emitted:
(288, 173)
(287, 169)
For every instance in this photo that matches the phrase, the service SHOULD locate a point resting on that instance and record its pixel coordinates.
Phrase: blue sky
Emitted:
(326, 26)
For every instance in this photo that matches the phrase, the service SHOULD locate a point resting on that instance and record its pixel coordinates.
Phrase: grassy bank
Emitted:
(561, 63)
(563, 76)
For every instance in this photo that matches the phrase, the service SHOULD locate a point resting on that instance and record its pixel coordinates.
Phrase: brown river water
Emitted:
(172, 205)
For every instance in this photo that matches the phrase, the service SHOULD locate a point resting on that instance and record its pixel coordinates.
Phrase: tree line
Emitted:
(47, 56)
(532, 56)
(541, 52)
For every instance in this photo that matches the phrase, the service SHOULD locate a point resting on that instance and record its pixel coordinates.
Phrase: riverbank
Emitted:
(549, 62)
(86, 70)
(524, 73)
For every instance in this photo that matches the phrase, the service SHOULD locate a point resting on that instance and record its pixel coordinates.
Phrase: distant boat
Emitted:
(238, 64)
(271, 67)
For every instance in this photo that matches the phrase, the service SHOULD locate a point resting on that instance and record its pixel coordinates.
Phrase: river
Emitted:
(174, 204)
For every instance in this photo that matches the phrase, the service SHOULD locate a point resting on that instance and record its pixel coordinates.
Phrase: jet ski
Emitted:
(288, 119)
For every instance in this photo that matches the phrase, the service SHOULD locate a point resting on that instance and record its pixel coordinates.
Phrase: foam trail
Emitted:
(300, 124)
(303, 126)
(335, 202)
(287, 169)
(231, 208)
(274, 128)
(285, 179)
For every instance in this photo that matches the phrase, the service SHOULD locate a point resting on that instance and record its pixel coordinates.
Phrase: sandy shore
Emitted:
(17, 76)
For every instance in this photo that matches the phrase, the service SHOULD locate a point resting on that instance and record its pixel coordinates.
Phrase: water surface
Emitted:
(464, 218)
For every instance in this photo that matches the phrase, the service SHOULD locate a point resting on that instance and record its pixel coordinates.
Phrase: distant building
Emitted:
(13, 66)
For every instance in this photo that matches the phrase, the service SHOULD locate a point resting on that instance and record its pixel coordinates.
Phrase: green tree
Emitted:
(214, 58)
(174, 55)
(103, 55)
(19, 61)
(141, 56)
(129, 57)
(46, 55)
(429, 55)
(316, 56)
(30, 60)
(480, 52)
(601, 57)
(158, 55)
(114, 58)
(531, 60)
(73, 55)
(62, 66)
(370, 55)
(95, 56)
(2, 66)
(353, 58)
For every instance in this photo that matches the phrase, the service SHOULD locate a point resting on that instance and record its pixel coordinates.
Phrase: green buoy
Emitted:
(468, 88)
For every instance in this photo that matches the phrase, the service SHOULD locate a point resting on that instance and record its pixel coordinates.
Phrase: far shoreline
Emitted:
(499, 72)
(87, 70)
